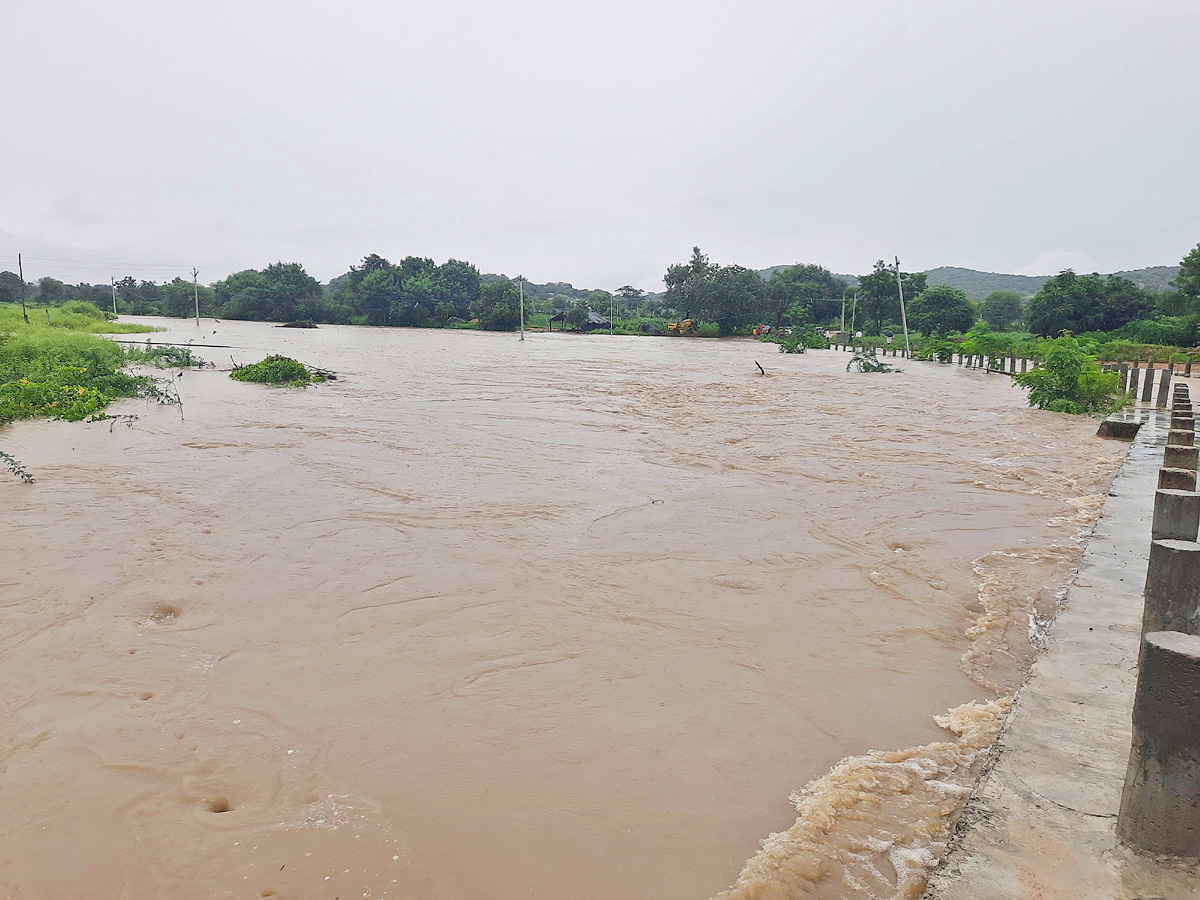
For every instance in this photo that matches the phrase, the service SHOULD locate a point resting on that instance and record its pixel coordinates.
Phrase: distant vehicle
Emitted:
(686, 328)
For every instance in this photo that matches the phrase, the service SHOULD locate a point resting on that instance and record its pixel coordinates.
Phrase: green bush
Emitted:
(87, 310)
(64, 375)
(1069, 380)
(791, 343)
(1175, 331)
(942, 351)
(864, 360)
(276, 369)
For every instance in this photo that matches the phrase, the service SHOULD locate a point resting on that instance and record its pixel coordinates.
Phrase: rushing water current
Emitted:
(572, 617)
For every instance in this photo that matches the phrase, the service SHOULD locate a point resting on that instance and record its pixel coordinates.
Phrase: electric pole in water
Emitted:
(843, 308)
(903, 317)
(196, 292)
(21, 274)
(521, 286)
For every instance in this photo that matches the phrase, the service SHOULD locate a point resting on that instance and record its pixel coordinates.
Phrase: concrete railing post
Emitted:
(1178, 456)
(1176, 515)
(1160, 803)
(1148, 384)
(1163, 386)
(1182, 437)
(1133, 379)
(1173, 588)
(1177, 479)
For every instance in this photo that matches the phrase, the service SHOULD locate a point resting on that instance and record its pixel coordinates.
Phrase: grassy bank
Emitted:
(62, 370)
(62, 375)
(74, 316)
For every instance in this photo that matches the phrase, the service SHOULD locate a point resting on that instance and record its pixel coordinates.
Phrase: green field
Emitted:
(73, 316)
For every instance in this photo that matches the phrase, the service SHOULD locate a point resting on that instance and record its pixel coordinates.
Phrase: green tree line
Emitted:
(733, 297)
(416, 291)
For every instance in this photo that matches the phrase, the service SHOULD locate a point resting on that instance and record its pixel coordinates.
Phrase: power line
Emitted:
(105, 262)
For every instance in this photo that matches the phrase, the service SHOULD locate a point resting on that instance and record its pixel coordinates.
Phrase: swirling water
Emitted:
(567, 617)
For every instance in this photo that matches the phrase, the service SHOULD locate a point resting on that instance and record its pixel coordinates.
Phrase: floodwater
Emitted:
(572, 617)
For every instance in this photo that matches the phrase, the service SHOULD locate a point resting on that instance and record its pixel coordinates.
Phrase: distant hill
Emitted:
(560, 293)
(977, 285)
(1152, 278)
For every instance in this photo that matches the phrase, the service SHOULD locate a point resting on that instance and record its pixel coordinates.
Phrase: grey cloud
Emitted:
(597, 144)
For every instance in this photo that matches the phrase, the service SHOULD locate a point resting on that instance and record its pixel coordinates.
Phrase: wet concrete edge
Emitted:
(1041, 820)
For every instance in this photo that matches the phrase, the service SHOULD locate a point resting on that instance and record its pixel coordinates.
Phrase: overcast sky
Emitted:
(597, 143)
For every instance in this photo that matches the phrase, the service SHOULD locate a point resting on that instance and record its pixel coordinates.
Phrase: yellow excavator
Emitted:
(686, 328)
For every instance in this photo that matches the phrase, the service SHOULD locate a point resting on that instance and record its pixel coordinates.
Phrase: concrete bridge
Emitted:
(1093, 790)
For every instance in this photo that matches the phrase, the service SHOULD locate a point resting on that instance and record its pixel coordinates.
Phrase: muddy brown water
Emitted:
(572, 617)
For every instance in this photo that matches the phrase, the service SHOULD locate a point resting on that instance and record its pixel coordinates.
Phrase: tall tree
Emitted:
(878, 298)
(1002, 309)
(631, 298)
(1082, 303)
(457, 283)
(498, 307)
(281, 292)
(731, 296)
(51, 291)
(803, 293)
(179, 298)
(12, 281)
(684, 282)
(1187, 282)
(941, 310)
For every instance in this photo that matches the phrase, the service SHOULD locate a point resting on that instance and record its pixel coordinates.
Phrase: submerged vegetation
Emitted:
(62, 375)
(17, 467)
(64, 369)
(280, 370)
(864, 360)
(165, 356)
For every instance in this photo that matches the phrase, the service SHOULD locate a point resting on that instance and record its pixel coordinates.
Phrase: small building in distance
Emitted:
(591, 323)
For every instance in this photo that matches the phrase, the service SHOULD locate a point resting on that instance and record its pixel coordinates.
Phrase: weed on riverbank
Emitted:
(62, 375)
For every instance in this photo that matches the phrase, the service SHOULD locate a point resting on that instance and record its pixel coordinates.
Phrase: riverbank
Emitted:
(1041, 821)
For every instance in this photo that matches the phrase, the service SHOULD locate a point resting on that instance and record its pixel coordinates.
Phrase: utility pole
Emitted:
(21, 272)
(196, 292)
(113, 279)
(903, 317)
(521, 285)
(843, 308)
(853, 312)
(612, 299)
